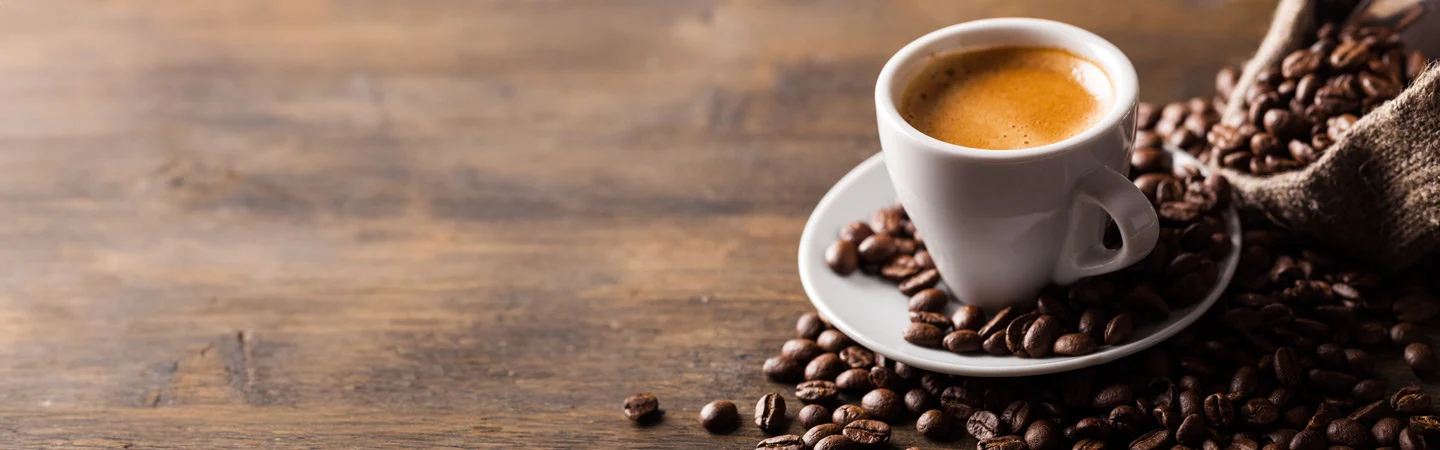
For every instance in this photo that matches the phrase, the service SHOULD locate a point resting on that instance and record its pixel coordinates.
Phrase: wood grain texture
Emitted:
(365, 223)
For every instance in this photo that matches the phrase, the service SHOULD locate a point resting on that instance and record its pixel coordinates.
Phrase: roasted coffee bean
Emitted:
(1113, 395)
(842, 257)
(836, 442)
(852, 380)
(770, 413)
(1348, 433)
(1281, 396)
(1409, 439)
(932, 300)
(883, 404)
(959, 402)
(1371, 412)
(857, 357)
(963, 341)
(1358, 361)
(1191, 430)
(1089, 444)
(813, 415)
(1039, 340)
(984, 425)
(1118, 330)
(867, 432)
(1410, 400)
(801, 350)
(883, 377)
(1244, 382)
(833, 340)
(1331, 380)
(888, 221)
(819, 432)
(1152, 440)
(1287, 368)
(918, 401)
(1428, 425)
(1219, 410)
(999, 322)
(935, 383)
(719, 416)
(1044, 435)
(1406, 332)
(1296, 416)
(856, 232)
(1075, 344)
(1281, 436)
(934, 424)
(926, 279)
(1150, 159)
(1092, 322)
(876, 249)
(923, 334)
(824, 367)
(968, 317)
(640, 406)
(1016, 416)
(936, 319)
(783, 369)
(1001, 443)
(1259, 412)
(1421, 358)
(1368, 390)
(1093, 428)
(844, 414)
(995, 345)
(1308, 440)
(809, 326)
(782, 442)
(1416, 307)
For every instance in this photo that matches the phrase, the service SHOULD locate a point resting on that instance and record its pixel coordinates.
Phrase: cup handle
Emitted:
(1085, 255)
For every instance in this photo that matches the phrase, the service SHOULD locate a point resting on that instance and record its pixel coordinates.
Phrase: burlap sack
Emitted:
(1376, 193)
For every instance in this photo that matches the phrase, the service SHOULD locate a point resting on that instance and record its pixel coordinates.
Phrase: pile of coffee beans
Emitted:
(1071, 321)
(1296, 111)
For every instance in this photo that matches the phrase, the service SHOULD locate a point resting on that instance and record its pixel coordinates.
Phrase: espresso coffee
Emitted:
(1007, 98)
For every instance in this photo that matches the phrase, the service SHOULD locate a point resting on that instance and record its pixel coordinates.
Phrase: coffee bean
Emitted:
(844, 414)
(887, 221)
(1259, 411)
(809, 326)
(640, 406)
(876, 249)
(1244, 382)
(923, 334)
(1092, 322)
(1368, 390)
(1044, 435)
(1093, 428)
(813, 415)
(1410, 400)
(932, 300)
(770, 413)
(1281, 437)
(1191, 430)
(1370, 412)
(1308, 440)
(1348, 432)
(963, 341)
(1152, 440)
(853, 380)
(1421, 358)
(783, 369)
(1219, 410)
(1358, 361)
(817, 391)
(856, 232)
(1296, 416)
(1386, 431)
(842, 257)
(923, 258)
(1331, 380)
(984, 425)
(999, 322)
(1427, 425)
(1409, 439)
(934, 383)
(1416, 307)
(968, 317)
(1287, 369)
(1406, 332)
(836, 442)
(1075, 344)
(1118, 330)
(833, 340)
(857, 357)
(926, 279)
(1016, 416)
(824, 367)
(1089, 444)
(1113, 395)
(883, 404)
(995, 345)
(867, 432)
(959, 402)
(934, 424)
(719, 416)
(801, 350)
(819, 432)
(936, 319)
(1008, 442)
(782, 442)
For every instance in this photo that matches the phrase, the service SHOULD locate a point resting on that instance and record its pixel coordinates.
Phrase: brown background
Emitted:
(305, 223)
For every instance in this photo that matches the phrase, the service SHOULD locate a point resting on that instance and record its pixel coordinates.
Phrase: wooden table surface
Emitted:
(357, 223)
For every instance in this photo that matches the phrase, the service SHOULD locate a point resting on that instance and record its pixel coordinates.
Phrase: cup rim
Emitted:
(1117, 66)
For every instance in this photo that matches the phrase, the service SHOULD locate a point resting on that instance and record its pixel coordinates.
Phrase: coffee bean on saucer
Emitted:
(1386, 431)
(842, 257)
(1075, 344)
(782, 442)
(844, 414)
(640, 406)
(719, 416)
(818, 432)
(1118, 330)
(770, 413)
(963, 341)
(968, 317)
(936, 319)
(926, 279)
(923, 334)
(856, 232)
(867, 432)
(930, 300)
(1008, 442)
(934, 424)
(999, 322)
(1040, 338)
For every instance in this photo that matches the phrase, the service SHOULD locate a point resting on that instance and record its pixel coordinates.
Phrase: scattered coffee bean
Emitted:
(883, 404)
(1406, 332)
(640, 406)
(1386, 431)
(1349, 433)
(867, 432)
(931, 300)
(813, 415)
(934, 424)
(833, 341)
(1409, 439)
(1410, 400)
(1016, 416)
(853, 380)
(1007, 442)
(923, 334)
(824, 367)
(844, 414)
(1044, 435)
(1426, 425)
(780, 368)
(817, 391)
(801, 350)
(719, 416)
(1075, 344)
(782, 442)
(1421, 358)
(770, 412)
(809, 326)
(836, 442)
(918, 401)
(984, 425)
(968, 317)
(818, 432)
(842, 257)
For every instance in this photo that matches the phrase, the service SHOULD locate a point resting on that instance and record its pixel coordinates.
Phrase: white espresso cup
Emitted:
(1002, 224)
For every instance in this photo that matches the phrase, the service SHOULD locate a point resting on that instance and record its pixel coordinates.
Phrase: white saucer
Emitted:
(873, 312)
